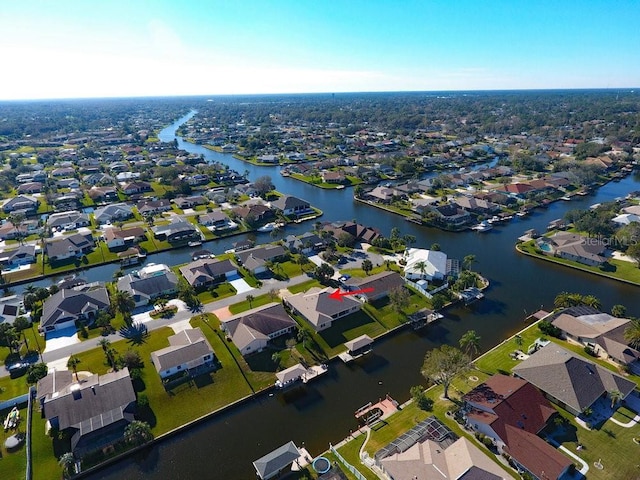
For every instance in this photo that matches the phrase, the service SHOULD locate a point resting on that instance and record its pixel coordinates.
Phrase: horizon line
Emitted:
(346, 92)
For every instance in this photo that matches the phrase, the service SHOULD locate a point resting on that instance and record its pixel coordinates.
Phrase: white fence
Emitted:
(424, 291)
(349, 467)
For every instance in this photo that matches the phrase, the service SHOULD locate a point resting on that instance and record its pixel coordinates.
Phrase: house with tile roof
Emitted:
(252, 331)
(317, 308)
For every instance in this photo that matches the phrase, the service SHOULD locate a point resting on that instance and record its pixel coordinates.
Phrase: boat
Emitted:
(194, 244)
(267, 227)
(494, 219)
(12, 420)
(482, 227)
(566, 198)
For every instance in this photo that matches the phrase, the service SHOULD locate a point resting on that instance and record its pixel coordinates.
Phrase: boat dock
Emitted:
(373, 412)
(356, 348)
(423, 317)
(297, 373)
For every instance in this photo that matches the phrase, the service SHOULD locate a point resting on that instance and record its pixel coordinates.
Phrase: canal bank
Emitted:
(322, 412)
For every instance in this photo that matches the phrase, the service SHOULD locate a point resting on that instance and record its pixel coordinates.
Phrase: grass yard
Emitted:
(13, 464)
(351, 453)
(218, 292)
(348, 328)
(304, 286)
(256, 302)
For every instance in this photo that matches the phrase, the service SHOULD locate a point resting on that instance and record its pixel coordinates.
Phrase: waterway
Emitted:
(224, 446)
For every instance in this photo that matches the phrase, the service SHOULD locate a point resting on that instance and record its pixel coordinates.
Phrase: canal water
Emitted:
(224, 446)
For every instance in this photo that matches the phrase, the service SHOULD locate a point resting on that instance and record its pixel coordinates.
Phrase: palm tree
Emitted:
(566, 299)
(161, 303)
(250, 299)
(632, 333)
(108, 352)
(67, 462)
(619, 311)
(615, 396)
(276, 358)
(123, 302)
(138, 432)
(470, 343)
(422, 267)
(467, 261)
(592, 301)
(367, 266)
(72, 363)
(303, 336)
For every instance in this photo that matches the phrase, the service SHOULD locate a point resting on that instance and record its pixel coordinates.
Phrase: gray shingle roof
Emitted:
(69, 304)
(269, 465)
(206, 270)
(187, 346)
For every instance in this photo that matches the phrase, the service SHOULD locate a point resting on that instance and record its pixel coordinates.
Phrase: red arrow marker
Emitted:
(337, 295)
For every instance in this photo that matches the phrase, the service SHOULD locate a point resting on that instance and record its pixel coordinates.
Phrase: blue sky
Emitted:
(80, 48)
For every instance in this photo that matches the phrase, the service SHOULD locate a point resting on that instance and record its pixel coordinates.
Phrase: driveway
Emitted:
(60, 339)
(239, 284)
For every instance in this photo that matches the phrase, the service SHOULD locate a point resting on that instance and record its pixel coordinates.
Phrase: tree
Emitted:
(303, 336)
(138, 432)
(470, 343)
(276, 358)
(634, 252)
(72, 363)
(160, 303)
(438, 301)
(619, 311)
(399, 298)
(592, 301)
(420, 399)
(421, 266)
(123, 302)
(131, 359)
(367, 266)
(68, 463)
(263, 185)
(443, 364)
(436, 247)
(103, 320)
(324, 272)
(467, 261)
(36, 371)
(566, 299)
(250, 299)
(632, 333)
(615, 396)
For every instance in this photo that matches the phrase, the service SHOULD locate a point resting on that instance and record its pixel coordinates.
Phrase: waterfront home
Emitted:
(253, 213)
(217, 220)
(253, 331)
(21, 203)
(421, 264)
(118, 238)
(112, 213)
(23, 255)
(381, 194)
(511, 412)
(190, 202)
(569, 380)
(93, 412)
(626, 219)
(176, 231)
(589, 251)
(75, 245)
(255, 259)
(451, 215)
(601, 332)
(379, 285)
(290, 205)
(68, 220)
(329, 176)
(68, 306)
(476, 205)
(274, 462)
(188, 353)
(319, 309)
(149, 283)
(205, 272)
(306, 243)
(360, 232)
(430, 450)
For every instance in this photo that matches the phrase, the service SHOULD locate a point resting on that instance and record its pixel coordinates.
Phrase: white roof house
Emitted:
(626, 218)
(425, 264)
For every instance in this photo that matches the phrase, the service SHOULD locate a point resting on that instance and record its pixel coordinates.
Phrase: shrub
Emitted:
(550, 329)
(590, 351)
(143, 400)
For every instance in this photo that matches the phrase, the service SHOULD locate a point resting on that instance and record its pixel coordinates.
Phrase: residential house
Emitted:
(306, 243)
(375, 286)
(153, 207)
(98, 178)
(317, 308)
(188, 353)
(30, 188)
(121, 237)
(136, 187)
(274, 462)
(477, 205)
(450, 214)
(112, 213)
(382, 194)
(70, 246)
(68, 220)
(290, 205)
(433, 451)
(70, 183)
(190, 202)
(63, 172)
(360, 232)
(252, 331)
(421, 264)
(254, 213)
(93, 412)
(503, 404)
(255, 259)
(177, 231)
(107, 193)
(198, 179)
(12, 307)
(148, 283)
(68, 201)
(217, 220)
(68, 306)
(23, 255)
(601, 332)
(205, 272)
(329, 176)
(21, 204)
(589, 251)
(570, 380)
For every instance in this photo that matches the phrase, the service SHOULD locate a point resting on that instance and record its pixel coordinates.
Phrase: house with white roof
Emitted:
(425, 264)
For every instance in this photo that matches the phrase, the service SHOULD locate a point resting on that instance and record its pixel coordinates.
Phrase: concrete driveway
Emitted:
(60, 339)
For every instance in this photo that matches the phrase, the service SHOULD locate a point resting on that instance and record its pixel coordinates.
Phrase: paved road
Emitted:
(76, 348)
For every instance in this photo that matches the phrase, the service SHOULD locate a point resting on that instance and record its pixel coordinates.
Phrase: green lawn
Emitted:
(383, 312)
(304, 286)
(13, 464)
(351, 453)
(347, 328)
(256, 302)
(218, 292)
